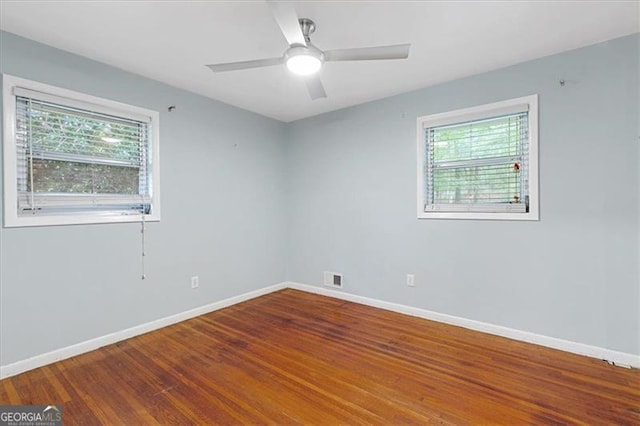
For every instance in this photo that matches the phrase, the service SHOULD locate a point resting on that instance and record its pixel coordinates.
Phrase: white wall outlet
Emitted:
(195, 282)
(411, 280)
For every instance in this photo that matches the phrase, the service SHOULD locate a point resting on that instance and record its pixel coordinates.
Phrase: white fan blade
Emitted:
(314, 85)
(286, 16)
(233, 66)
(398, 51)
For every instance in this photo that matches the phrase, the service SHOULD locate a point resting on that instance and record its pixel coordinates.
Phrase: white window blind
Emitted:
(481, 165)
(72, 158)
(479, 162)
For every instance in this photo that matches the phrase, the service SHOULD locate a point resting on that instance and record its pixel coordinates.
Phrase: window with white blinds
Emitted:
(480, 162)
(77, 159)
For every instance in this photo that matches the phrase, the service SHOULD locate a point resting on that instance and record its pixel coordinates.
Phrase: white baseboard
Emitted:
(90, 345)
(618, 358)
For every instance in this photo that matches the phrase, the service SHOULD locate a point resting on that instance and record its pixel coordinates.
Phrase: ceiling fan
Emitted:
(303, 58)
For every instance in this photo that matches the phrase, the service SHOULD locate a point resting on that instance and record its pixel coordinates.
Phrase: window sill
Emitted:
(29, 221)
(531, 216)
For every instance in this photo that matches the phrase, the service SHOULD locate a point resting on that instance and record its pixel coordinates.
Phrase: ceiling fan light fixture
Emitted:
(303, 60)
(304, 64)
(302, 57)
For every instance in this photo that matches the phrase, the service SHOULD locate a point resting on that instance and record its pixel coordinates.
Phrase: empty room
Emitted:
(320, 212)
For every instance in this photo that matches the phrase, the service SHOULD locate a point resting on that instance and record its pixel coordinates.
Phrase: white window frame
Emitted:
(93, 103)
(477, 113)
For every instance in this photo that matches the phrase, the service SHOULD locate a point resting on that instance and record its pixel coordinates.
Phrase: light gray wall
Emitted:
(572, 275)
(223, 209)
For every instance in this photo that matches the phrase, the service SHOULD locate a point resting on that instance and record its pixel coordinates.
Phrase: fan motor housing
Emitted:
(309, 50)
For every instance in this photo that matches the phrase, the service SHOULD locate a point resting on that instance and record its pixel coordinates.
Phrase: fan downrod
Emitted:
(308, 27)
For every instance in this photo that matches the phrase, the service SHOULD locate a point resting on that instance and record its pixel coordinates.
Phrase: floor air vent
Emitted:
(333, 279)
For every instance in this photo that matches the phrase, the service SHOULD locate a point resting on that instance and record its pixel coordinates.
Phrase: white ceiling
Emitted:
(171, 41)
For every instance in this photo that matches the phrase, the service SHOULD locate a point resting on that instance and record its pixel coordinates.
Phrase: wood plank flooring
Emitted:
(296, 358)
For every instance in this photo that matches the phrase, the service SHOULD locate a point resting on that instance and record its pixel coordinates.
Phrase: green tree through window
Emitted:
(80, 152)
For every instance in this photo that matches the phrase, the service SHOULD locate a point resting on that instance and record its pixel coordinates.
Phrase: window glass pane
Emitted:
(53, 176)
(497, 137)
(482, 184)
(55, 129)
(72, 151)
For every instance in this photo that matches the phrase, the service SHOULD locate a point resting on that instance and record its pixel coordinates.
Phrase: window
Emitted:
(480, 162)
(71, 158)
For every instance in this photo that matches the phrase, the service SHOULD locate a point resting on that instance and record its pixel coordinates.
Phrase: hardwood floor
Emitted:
(293, 357)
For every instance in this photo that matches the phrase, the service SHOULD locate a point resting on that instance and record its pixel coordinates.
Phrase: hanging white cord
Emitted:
(143, 245)
(30, 142)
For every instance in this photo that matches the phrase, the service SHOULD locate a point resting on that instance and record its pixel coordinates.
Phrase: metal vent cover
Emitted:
(332, 279)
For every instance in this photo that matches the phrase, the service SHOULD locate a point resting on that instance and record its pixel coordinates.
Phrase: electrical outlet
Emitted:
(195, 282)
(411, 280)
